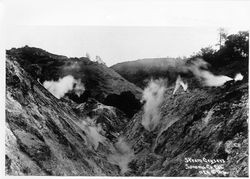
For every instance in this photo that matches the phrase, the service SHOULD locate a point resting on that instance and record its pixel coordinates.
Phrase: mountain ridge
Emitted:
(99, 80)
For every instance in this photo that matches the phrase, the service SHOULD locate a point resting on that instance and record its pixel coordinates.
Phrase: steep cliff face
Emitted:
(46, 136)
(111, 120)
(195, 128)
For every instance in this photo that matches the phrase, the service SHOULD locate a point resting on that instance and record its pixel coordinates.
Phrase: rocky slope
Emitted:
(210, 123)
(48, 136)
(202, 132)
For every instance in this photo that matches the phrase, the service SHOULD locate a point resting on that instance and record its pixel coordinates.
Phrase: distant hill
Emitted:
(139, 71)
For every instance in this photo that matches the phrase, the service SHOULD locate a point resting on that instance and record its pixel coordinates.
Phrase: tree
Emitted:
(238, 44)
(206, 53)
(87, 55)
(99, 60)
(222, 36)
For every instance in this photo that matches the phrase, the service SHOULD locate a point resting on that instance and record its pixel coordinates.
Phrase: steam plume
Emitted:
(238, 77)
(63, 85)
(206, 76)
(212, 80)
(122, 156)
(94, 136)
(79, 88)
(153, 95)
(92, 131)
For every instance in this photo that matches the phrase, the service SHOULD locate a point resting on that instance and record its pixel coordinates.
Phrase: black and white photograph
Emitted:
(125, 88)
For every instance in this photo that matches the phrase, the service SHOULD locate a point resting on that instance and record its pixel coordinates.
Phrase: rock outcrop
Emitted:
(202, 124)
(46, 136)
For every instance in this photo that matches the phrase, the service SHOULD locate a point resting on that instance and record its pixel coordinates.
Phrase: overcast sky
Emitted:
(114, 44)
(120, 30)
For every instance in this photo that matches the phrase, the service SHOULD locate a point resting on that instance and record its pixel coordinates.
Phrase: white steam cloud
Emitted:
(93, 132)
(79, 88)
(238, 77)
(212, 80)
(153, 95)
(207, 77)
(63, 85)
(94, 136)
(122, 155)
